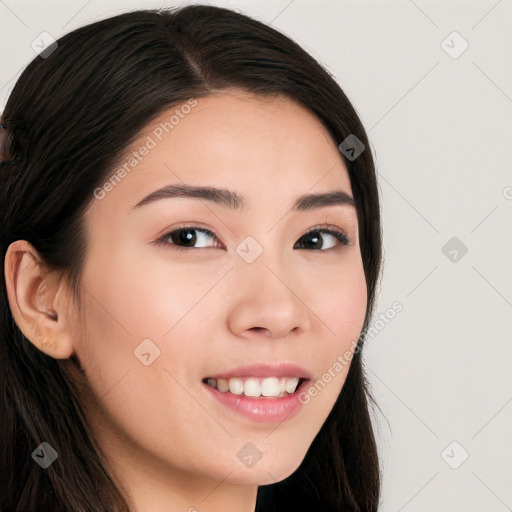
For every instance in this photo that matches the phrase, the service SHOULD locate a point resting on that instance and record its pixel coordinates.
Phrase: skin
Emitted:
(168, 443)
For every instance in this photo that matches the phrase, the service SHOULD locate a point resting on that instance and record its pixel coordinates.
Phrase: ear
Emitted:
(39, 301)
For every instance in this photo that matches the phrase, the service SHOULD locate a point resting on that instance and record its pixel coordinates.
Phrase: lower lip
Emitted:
(263, 410)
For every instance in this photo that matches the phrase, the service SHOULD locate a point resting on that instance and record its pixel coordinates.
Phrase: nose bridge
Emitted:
(261, 261)
(267, 296)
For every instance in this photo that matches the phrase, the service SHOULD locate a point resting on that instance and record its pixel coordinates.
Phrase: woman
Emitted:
(191, 243)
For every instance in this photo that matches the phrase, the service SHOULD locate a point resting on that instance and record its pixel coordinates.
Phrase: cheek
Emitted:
(146, 405)
(341, 305)
(337, 298)
(349, 311)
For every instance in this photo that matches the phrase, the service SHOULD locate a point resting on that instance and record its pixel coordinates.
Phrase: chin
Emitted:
(265, 473)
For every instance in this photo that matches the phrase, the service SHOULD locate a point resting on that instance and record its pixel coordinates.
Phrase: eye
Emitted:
(188, 237)
(315, 239)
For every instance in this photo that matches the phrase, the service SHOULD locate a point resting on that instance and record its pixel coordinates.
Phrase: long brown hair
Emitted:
(71, 115)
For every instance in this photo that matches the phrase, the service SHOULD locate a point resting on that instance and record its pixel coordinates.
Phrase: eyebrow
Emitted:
(233, 200)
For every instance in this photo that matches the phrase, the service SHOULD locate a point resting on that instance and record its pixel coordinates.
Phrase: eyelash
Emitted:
(338, 235)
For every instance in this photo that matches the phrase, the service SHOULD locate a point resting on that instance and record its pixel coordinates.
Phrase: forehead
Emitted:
(263, 147)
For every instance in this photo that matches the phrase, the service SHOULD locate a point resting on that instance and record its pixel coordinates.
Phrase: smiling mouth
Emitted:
(265, 387)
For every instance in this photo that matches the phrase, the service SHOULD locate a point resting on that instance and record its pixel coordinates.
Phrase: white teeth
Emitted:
(256, 387)
(252, 387)
(291, 385)
(270, 387)
(236, 386)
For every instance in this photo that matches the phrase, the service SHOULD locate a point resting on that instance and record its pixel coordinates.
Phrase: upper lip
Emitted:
(267, 369)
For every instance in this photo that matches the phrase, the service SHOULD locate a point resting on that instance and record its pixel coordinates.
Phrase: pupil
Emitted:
(187, 236)
(317, 241)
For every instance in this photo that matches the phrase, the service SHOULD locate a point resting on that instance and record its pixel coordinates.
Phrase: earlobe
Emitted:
(36, 301)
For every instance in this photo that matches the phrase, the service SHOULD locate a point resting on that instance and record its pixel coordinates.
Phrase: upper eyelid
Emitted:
(318, 227)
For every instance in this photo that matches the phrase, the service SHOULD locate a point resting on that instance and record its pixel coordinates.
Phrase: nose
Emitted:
(267, 302)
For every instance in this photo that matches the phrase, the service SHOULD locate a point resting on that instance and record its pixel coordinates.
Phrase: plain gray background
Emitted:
(439, 118)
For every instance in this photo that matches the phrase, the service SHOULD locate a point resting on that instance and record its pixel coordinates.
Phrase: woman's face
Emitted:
(244, 291)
